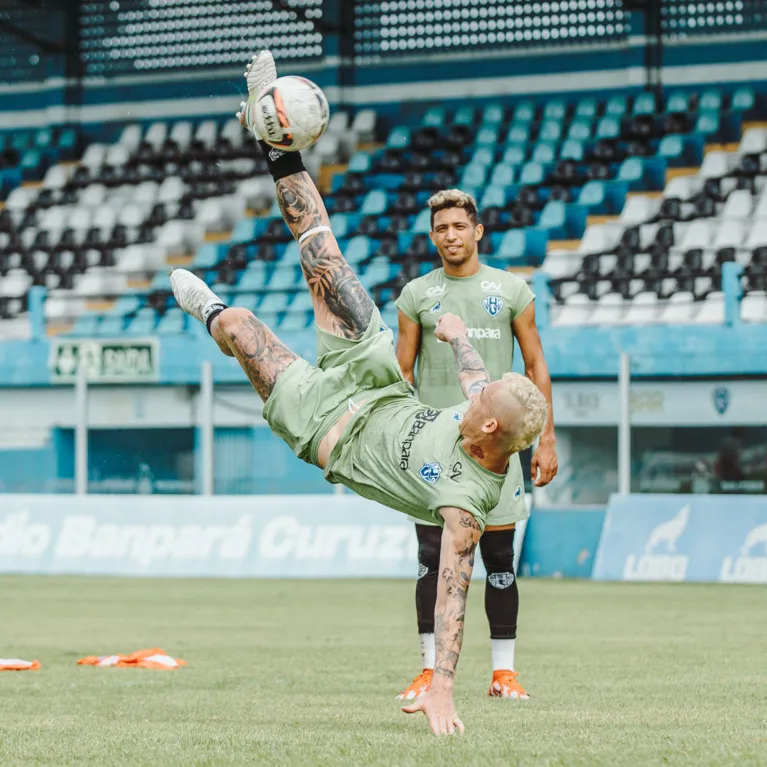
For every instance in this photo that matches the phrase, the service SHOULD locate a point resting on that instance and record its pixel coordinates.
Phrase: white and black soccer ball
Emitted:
(291, 113)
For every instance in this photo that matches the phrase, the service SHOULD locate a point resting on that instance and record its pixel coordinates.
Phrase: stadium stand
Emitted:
(100, 234)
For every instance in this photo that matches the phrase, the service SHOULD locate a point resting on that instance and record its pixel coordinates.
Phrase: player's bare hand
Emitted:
(544, 464)
(450, 326)
(439, 710)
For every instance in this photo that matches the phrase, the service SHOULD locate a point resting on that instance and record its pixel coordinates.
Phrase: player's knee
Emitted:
(429, 542)
(497, 547)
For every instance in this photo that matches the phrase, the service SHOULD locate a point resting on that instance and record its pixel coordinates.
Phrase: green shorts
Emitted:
(308, 400)
(511, 506)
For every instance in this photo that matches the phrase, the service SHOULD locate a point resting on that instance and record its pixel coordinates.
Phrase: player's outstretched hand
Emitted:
(440, 711)
(450, 326)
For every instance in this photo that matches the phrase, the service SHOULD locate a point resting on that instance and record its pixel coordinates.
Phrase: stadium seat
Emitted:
(753, 307)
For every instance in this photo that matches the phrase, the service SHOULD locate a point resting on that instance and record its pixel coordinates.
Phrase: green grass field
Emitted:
(293, 673)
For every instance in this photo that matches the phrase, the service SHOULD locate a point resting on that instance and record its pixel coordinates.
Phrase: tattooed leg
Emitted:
(342, 306)
(260, 353)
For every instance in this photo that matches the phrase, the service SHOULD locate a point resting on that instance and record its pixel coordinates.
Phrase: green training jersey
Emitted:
(408, 456)
(488, 302)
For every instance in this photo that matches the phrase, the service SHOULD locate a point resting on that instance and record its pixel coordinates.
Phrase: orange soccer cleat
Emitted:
(506, 685)
(418, 686)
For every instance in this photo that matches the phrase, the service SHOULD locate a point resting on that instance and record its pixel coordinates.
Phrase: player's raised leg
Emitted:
(238, 332)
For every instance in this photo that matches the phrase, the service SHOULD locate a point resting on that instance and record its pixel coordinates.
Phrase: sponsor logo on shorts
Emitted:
(420, 420)
(493, 305)
(491, 287)
(430, 472)
(436, 291)
(482, 334)
(660, 562)
(422, 570)
(501, 580)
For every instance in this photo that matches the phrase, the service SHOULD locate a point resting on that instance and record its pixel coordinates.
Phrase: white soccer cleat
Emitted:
(193, 295)
(260, 72)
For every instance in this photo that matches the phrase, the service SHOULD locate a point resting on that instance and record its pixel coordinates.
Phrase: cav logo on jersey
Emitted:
(436, 307)
(436, 291)
(493, 305)
(430, 472)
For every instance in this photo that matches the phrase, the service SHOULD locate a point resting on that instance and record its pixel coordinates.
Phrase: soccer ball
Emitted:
(291, 113)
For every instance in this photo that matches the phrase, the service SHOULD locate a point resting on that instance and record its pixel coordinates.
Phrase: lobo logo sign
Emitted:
(748, 567)
(655, 566)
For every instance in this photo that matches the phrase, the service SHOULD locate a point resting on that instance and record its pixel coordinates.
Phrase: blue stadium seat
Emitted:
(482, 156)
(142, 324)
(422, 223)
(375, 203)
(487, 135)
(173, 321)
(111, 325)
(493, 114)
(474, 175)
(524, 112)
(554, 220)
(21, 140)
(283, 278)
(616, 106)
(207, 256)
(545, 152)
(302, 302)
(512, 248)
(586, 109)
(357, 250)
(494, 197)
(593, 196)
(708, 124)
(710, 101)
(293, 321)
(571, 150)
(435, 117)
(503, 175)
(125, 305)
(359, 163)
(515, 154)
(292, 255)
(555, 110)
(743, 99)
(580, 130)
(160, 281)
(678, 102)
(608, 127)
(671, 149)
(519, 133)
(551, 130)
(273, 302)
(253, 278)
(339, 223)
(244, 230)
(86, 325)
(532, 174)
(399, 138)
(644, 104)
(378, 271)
(464, 116)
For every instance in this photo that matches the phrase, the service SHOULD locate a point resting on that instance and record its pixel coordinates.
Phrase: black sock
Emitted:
(281, 164)
(429, 541)
(501, 590)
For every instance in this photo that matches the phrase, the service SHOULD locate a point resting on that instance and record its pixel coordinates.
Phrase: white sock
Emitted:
(503, 654)
(428, 650)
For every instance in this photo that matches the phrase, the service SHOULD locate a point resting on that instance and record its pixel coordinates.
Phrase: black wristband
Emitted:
(281, 164)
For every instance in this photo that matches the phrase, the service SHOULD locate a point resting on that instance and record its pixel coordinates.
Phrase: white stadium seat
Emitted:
(140, 259)
(638, 209)
(206, 133)
(16, 329)
(57, 176)
(94, 156)
(131, 215)
(754, 141)
(730, 234)
(561, 263)
(156, 134)
(181, 133)
(55, 218)
(738, 205)
(104, 218)
(100, 282)
(698, 235)
(761, 207)
(643, 309)
(213, 216)
(608, 310)
(16, 283)
(171, 190)
(80, 218)
(757, 238)
(61, 305)
(328, 149)
(682, 187)
(711, 311)
(131, 137)
(93, 196)
(679, 309)
(19, 199)
(339, 123)
(364, 124)
(145, 194)
(753, 307)
(117, 155)
(716, 165)
(233, 132)
(576, 311)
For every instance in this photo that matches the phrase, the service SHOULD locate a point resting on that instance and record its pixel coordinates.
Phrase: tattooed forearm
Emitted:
(472, 372)
(459, 542)
(468, 520)
(260, 353)
(300, 203)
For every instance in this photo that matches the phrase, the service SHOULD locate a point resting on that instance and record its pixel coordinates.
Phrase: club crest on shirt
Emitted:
(493, 305)
(430, 472)
(457, 417)
(436, 307)
(518, 493)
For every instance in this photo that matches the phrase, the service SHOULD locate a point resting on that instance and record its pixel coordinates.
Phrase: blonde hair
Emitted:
(535, 411)
(453, 198)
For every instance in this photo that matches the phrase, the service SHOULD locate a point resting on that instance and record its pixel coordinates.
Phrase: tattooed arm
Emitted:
(471, 369)
(459, 541)
(301, 203)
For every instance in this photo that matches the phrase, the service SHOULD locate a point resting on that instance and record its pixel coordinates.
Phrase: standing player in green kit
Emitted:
(496, 306)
